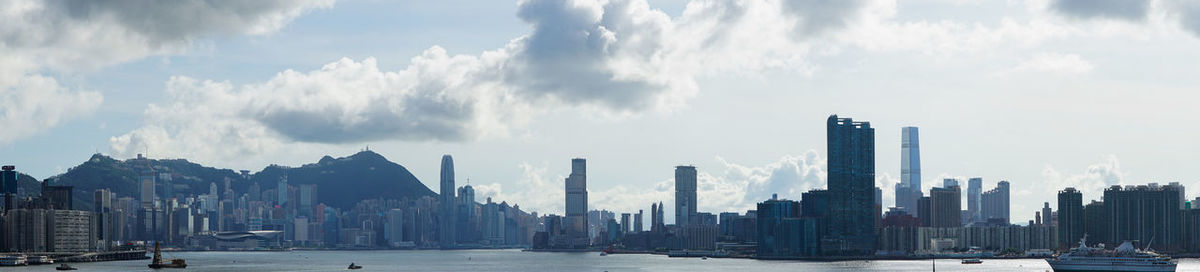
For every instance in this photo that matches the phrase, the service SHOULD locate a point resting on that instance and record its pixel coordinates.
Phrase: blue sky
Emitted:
(1044, 94)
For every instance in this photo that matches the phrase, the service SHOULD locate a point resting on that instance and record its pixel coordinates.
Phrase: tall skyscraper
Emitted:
(1070, 217)
(8, 184)
(637, 221)
(909, 189)
(974, 197)
(685, 195)
(851, 184)
(146, 182)
(995, 203)
(626, 224)
(281, 189)
(1047, 214)
(653, 217)
(448, 215)
(576, 199)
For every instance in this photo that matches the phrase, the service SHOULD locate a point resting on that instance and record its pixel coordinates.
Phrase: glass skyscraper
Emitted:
(909, 189)
(851, 184)
(685, 195)
(448, 217)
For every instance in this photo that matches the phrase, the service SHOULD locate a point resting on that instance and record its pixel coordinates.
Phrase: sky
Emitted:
(1045, 94)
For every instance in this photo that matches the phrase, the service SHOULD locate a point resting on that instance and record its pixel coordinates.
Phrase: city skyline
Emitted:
(1054, 111)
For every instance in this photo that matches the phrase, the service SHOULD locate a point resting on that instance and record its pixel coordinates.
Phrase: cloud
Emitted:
(1132, 10)
(731, 188)
(1055, 63)
(1188, 13)
(1092, 181)
(63, 37)
(611, 58)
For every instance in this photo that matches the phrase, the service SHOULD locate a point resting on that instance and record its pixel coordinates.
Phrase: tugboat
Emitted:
(157, 261)
(1124, 258)
(64, 267)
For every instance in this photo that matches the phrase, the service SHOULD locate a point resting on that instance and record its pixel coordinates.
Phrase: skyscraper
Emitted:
(448, 214)
(974, 197)
(851, 184)
(685, 195)
(1070, 217)
(146, 182)
(1144, 212)
(909, 189)
(576, 199)
(946, 206)
(1047, 214)
(995, 203)
(637, 221)
(281, 189)
(8, 184)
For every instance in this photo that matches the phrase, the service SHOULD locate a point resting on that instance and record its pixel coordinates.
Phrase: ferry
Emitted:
(13, 260)
(1124, 258)
(40, 260)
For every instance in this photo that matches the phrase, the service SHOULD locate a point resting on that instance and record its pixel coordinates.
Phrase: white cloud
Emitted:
(43, 37)
(1055, 63)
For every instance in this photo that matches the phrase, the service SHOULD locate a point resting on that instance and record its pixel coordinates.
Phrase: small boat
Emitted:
(704, 258)
(64, 267)
(40, 260)
(602, 253)
(157, 261)
(972, 261)
(353, 266)
(13, 260)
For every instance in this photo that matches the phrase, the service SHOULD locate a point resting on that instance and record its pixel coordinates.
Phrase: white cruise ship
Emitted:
(1124, 258)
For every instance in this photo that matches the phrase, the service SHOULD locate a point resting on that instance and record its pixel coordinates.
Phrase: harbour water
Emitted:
(515, 260)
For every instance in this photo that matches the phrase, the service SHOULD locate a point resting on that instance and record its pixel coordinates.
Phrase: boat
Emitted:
(972, 261)
(157, 261)
(1125, 257)
(602, 253)
(64, 267)
(40, 260)
(13, 260)
(352, 266)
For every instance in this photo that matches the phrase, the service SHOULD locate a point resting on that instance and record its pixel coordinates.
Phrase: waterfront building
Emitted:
(625, 223)
(446, 229)
(468, 220)
(1095, 221)
(974, 199)
(637, 222)
(946, 207)
(851, 185)
(995, 203)
(685, 195)
(782, 232)
(146, 182)
(1144, 213)
(576, 221)
(394, 228)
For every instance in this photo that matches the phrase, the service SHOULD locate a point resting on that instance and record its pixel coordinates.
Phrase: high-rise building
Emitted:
(1047, 214)
(394, 228)
(146, 182)
(1070, 217)
(685, 195)
(576, 223)
(851, 185)
(950, 182)
(1095, 221)
(637, 221)
(307, 199)
(925, 211)
(8, 184)
(946, 207)
(447, 215)
(625, 223)
(974, 197)
(1144, 212)
(468, 221)
(281, 189)
(782, 232)
(995, 204)
(653, 217)
(909, 189)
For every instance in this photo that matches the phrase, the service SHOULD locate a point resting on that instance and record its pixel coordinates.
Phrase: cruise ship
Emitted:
(1124, 258)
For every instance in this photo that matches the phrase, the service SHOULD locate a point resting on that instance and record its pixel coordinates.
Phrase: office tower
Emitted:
(685, 195)
(909, 189)
(281, 190)
(447, 214)
(950, 182)
(637, 222)
(468, 222)
(255, 192)
(394, 229)
(974, 197)
(947, 206)
(625, 223)
(576, 199)
(307, 199)
(8, 184)
(851, 184)
(653, 217)
(146, 182)
(662, 217)
(782, 230)
(1047, 214)
(925, 211)
(57, 197)
(1142, 213)
(995, 204)
(1070, 217)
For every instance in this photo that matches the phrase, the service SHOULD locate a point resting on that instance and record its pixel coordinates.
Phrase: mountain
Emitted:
(340, 182)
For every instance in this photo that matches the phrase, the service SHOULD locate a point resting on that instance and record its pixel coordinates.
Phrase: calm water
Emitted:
(514, 260)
